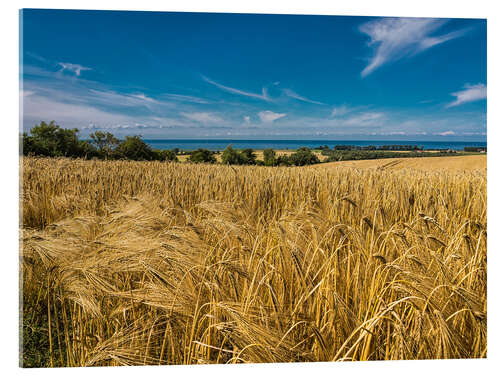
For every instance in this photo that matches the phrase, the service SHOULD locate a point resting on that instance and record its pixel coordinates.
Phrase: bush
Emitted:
(231, 156)
(165, 155)
(243, 157)
(87, 150)
(32, 146)
(134, 148)
(270, 157)
(202, 156)
(248, 156)
(283, 160)
(303, 156)
(106, 143)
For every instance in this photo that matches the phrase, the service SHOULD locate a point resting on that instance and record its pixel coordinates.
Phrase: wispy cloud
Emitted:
(74, 68)
(23, 93)
(364, 118)
(264, 96)
(113, 99)
(294, 95)
(203, 117)
(90, 105)
(470, 93)
(269, 116)
(143, 96)
(37, 108)
(88, 117)
(341, 110)
(445, 133)
(395, 38)
(185, 98)
(37, 57)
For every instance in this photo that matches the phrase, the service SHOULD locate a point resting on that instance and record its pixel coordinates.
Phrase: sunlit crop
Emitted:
(132, 263)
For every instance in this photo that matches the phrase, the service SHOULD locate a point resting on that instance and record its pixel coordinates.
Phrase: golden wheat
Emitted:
(135, 263)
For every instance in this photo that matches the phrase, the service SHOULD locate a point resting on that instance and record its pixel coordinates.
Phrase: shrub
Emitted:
(283, 160)
(87, 150)
(231, 156)
(202, 156)
(303, 156)
(105, 143)
(248, 156)
(165, 155)
(269, 157)
(134, 148)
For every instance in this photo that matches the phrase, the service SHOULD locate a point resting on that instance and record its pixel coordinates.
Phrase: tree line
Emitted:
(53, 141)
(50, 140)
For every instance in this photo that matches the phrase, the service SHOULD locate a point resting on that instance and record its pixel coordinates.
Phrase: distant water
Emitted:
(221, 144)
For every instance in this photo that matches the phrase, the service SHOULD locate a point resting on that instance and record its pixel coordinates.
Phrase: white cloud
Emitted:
(341, 110)
(294, 95)
(269, 116)
(142, 96)
(470, 93)
(115, 99)
(89, 109)
(246, 119)
(203, 117)
(445, 133)
(75, 68)
(264, 96)
(364, 118)
(25, 93)
(185, 98)
(37, 108)
(395, 38)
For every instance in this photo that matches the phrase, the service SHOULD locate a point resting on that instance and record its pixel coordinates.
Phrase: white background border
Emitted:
(9, 71)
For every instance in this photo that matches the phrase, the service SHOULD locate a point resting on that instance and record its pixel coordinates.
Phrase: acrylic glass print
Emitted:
(206, 188)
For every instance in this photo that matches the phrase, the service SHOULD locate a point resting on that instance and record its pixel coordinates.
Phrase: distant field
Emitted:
(455, 163)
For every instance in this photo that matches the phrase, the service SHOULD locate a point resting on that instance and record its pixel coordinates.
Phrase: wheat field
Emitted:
(149, 263)
(435, 163)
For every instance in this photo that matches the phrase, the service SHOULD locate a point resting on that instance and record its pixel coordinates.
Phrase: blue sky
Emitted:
(242, 76)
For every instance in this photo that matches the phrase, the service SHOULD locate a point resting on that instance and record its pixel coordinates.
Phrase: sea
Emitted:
(221, 144)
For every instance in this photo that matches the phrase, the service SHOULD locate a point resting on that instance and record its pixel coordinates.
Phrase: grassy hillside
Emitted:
(131, 263)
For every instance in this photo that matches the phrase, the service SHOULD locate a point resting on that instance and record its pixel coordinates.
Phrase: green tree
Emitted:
(303, 156)
(52, 140)
(87, 150)
(283, 160)
(134, 148)
(269, 157)
(30, 146)
(45, 132)
(202, 156)
(106, 143)
(165, 155)
(67, 142)
(248, 156)
(231, 156)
